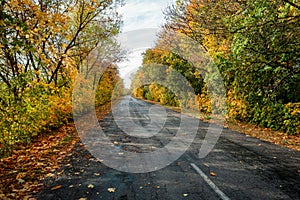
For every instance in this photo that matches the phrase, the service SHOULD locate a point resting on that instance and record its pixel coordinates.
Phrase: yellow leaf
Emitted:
(56, 187)
(111, 190)
(212, 173)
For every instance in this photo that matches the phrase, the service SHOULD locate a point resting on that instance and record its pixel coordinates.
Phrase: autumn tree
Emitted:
(266, 52)
(255, 46)
(43, 45)
(47, 39)
(177, 63)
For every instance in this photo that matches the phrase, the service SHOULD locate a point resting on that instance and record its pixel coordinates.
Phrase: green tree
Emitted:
(266, 52)
(255, 44)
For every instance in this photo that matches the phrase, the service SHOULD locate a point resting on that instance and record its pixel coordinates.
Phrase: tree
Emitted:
(46, 40)
(255, 44)
(44, 44)
(266, 52)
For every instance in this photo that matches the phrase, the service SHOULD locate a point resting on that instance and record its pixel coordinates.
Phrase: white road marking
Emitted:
(146, 116)
(210, 183)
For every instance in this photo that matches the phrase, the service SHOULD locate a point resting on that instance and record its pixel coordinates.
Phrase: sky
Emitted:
(142, 20)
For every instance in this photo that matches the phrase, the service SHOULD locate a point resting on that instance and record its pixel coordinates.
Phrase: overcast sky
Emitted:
(142, 20)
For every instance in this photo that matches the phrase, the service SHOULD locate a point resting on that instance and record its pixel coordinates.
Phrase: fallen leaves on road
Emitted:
(21, 173)
(111, 190)
(56, 187)
(90, 186)
(212, 173)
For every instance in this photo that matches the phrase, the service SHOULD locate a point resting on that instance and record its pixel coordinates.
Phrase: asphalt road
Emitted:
(238, 167)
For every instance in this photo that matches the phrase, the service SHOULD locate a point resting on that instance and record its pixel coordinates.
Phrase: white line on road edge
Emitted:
(210, 183)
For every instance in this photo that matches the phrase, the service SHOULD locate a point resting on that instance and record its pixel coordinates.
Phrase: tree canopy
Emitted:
(254, 44)
(44, 44)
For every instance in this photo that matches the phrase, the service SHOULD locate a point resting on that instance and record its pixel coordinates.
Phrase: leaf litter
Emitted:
(22, 173)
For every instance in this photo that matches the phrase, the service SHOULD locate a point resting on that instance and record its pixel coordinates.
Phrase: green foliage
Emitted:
(157, 93)
(255, 44)
(264, 64)
(265, 52)
(168, 70)
(177, 63)
(169, 98)
(278, 117)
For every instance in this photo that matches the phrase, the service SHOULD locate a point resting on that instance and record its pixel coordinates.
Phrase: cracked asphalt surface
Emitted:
(241, 167)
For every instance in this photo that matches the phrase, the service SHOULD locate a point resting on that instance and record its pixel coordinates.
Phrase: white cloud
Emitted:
(136, 42)
(138, 14)
(142, 20)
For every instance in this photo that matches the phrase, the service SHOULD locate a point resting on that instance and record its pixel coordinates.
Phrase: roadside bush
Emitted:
(138, 92)
(279, 117)
(169, 99)
(155, 92)
(42, 108)
(204, 103)
(147, 93)
(237, 107)
(292, 124)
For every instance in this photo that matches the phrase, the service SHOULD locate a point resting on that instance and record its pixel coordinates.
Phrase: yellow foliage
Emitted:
(237, 108)
(294, 111)
(40, 110)
(204, 103)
